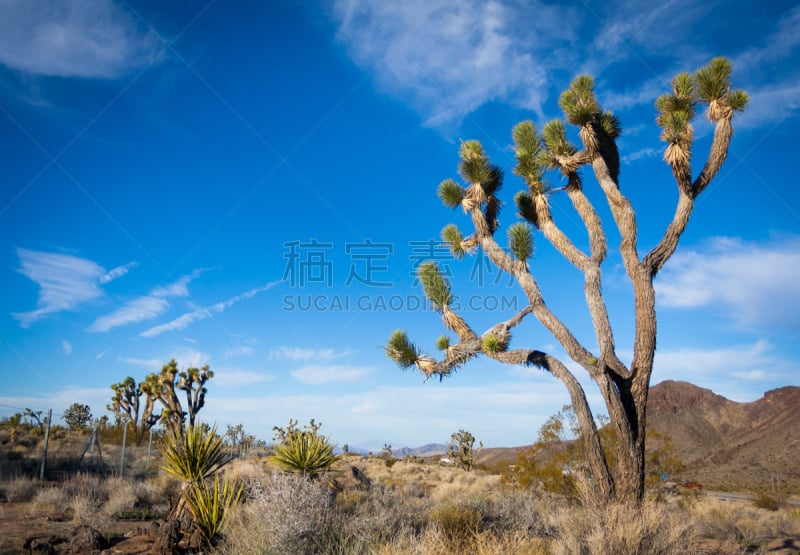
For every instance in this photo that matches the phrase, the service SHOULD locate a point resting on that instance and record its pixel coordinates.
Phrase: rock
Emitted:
(167, 538)
(39, 546)
(85, 539)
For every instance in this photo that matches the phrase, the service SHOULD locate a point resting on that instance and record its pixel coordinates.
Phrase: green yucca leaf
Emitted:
(470, 150)
(713, 80)
(305, 452)
(527, 148)
(610, 123)
(525, 207)
(683, 85)
(738, 100)
(491, 344)
(451, 193)
(494, 181)
(196, 455)
(210, 503)
(401, 350)
(435, 286)
(443, 343)
(475, 170)
(554, 134)
(452, 236)
(578, 102)
(520, 241)
(526, 140)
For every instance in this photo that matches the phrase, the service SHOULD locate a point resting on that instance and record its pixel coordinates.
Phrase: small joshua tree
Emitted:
(624, 387)
(462, 449)
(77, 416)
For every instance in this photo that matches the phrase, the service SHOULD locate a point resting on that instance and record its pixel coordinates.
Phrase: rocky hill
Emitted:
(722, 443)
(725, 443)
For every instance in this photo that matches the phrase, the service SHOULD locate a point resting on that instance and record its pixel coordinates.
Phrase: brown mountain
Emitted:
(722, 443)
(728, 444)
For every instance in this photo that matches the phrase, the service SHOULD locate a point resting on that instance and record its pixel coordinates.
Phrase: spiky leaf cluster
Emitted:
(525, 207)
(474, 166)
(491, 344)
(532, 159)
(443, 343)
(305, 452)
(610, 124)
(195, 455)
(578, 102)
(713, 81)
(554, 134)
(520, 241)
(401, 350)
(209, 503)
(436, 287)
(451, 193)
(452, 236)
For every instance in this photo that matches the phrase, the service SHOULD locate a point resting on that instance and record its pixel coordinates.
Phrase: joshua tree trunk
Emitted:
(623, 388)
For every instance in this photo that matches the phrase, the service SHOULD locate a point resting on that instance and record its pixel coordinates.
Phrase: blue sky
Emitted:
(250, 185)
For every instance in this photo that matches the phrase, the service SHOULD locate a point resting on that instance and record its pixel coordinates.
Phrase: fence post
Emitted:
(46, 441)
(150, 446)
(122, 456)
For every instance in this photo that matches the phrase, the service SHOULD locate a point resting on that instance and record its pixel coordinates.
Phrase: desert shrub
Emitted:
(740, 522)
(284, 513)
(458, 523)
(86, 485)
(47, 499)
(767, 501)
(121, 496)
(21, 489)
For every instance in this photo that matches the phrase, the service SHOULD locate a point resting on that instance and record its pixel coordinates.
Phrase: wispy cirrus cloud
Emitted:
(446, 58)
(146, 307)
(306, 354)
(65, 282)
(118, 272)
(66, 346)
(189, 318)
(73, 38)
(747, 280)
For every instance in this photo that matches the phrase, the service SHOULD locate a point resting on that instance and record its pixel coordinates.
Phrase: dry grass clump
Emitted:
(740, 522)
(20, 490)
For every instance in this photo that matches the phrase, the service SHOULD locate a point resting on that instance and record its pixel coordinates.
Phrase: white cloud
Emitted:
(449, 58)
(66, 346)
(65, 282)
(143, 308)
(179, 287)
(147, 307)
(239, 351)
(185, 320)
(118, 272)
(72, 38)
(324, 374)
(752, 282)
(228, 377)
(306, 354)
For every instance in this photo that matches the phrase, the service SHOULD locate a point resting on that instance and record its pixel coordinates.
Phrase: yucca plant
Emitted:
(193, 457)
(209, 502)
(305, 452)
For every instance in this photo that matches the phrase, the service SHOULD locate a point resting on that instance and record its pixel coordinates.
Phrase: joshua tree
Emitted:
(462, 449)
(77, 416)
(162, 387)
(624, 388)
